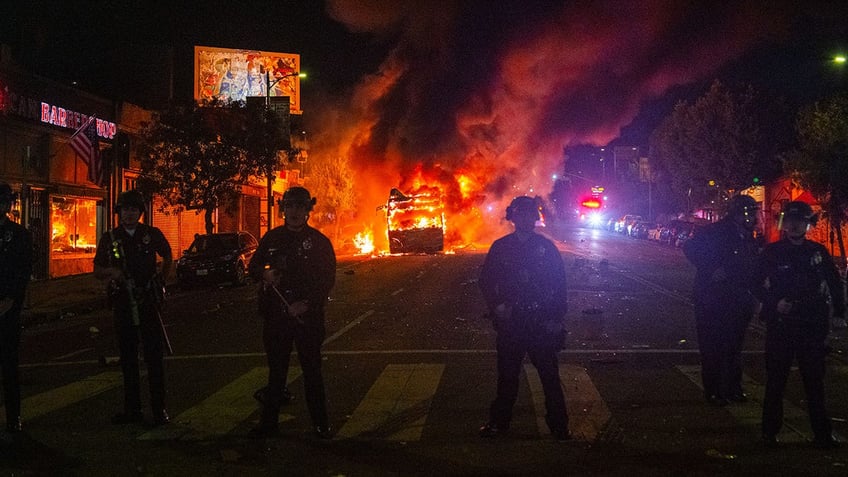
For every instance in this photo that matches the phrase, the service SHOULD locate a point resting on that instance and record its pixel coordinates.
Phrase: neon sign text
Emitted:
(57, 116)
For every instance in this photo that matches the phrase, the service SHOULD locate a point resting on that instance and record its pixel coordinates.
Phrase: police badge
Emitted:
(307, 244)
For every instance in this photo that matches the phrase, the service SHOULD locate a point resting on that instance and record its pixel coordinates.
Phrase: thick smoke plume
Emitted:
(481, 97)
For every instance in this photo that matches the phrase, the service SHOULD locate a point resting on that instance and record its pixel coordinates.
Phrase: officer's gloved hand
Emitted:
(719, 275)
(499, 315)
(6, 305)
(270, 276)
(784, 306)
(502, 311)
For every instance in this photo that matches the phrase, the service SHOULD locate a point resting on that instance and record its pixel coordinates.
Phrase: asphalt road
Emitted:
(410, 371)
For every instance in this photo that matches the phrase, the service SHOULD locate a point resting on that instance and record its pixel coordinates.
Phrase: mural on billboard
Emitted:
(233, 75)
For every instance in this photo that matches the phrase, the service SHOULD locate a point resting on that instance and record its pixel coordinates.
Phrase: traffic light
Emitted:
(756, 181)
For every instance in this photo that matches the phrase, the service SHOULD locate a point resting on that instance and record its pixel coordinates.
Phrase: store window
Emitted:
(15, 211)
(74, 223)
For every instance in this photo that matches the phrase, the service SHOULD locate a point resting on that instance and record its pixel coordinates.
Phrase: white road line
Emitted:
(578, 352)
(220, 413)
(587, 411)
(348, 327)
(796, 424)
(396, 406)
(49, 401)
(73, 353)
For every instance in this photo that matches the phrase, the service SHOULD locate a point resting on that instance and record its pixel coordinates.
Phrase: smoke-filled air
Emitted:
(479, 99)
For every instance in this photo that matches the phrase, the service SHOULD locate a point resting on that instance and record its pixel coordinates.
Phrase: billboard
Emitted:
(234, 75)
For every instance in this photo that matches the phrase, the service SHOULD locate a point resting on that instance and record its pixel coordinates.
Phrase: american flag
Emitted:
(85, 143)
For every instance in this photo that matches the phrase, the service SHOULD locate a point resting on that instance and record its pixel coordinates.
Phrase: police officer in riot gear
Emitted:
(296, 267)
(15, 271)
(724, 254)
(126, 259)
(524, 285)
(800, 287)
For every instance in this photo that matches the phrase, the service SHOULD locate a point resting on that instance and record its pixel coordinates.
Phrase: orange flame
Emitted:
(364, 242)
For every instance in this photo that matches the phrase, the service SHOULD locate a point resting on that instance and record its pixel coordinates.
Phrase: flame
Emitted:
(364, 242)
(485, 121)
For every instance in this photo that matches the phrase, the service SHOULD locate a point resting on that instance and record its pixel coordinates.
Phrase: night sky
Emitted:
(496, 88)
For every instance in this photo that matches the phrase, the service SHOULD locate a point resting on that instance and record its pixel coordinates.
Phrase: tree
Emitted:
(720, 142)
(193, 156)
(332, 182)
(819, 162)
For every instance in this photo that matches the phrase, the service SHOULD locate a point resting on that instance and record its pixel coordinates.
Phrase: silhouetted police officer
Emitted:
(800, 285)
(524, 285)
(724, 254)
(296, 266)
(126, 258)
(15, 271)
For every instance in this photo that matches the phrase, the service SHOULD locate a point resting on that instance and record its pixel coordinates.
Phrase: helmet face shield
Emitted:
(130, 198)
(745, 210)
(795, 215)
(298, 197)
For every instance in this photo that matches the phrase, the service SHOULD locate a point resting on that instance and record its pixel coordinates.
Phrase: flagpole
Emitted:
(84, 126)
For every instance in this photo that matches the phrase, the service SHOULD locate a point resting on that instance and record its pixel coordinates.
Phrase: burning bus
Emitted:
(415, 223)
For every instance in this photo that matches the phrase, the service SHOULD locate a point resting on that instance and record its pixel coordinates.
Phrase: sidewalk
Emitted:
(50, 300)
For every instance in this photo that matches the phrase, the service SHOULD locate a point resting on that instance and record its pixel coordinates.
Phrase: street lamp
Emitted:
(270, 84)
(270, 173)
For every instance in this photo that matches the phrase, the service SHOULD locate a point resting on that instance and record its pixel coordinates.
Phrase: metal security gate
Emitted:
(39, 226)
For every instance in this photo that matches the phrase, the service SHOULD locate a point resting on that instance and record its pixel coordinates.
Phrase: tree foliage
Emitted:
(725, 137)
(197, 156)
(332, 182)
(820, 161)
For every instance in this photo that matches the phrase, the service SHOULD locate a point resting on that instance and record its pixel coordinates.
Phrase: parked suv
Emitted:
(216, 258)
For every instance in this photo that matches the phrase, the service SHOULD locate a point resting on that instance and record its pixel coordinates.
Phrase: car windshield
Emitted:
(214, 243)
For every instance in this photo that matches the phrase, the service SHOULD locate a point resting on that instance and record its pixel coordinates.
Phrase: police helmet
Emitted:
(130, 198)
(521, 204)
(799, 210)
(6, 194)
(741, 205)
(298, 196)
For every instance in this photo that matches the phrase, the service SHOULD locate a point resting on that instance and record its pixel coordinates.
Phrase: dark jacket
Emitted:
(15, 261)
(804, 274)
(530, 278)
(723, 244)
(140, 251)
(306, 262)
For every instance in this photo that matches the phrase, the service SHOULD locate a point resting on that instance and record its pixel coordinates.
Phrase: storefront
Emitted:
(58, 202)
(73, 233)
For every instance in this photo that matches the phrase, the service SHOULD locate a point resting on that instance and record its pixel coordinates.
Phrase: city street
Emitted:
(410, 372)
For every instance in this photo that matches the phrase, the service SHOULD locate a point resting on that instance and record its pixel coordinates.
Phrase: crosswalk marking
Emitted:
(587, 411)
(397, 404)
(219, 413)
(49, 401)
(795, 419)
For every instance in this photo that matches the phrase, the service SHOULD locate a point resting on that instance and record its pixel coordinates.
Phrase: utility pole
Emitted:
(270, 172)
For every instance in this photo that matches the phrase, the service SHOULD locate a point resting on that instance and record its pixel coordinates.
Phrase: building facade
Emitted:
(57, 202)
(65, 209)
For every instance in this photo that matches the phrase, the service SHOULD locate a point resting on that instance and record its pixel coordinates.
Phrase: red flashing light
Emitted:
(591, 203)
